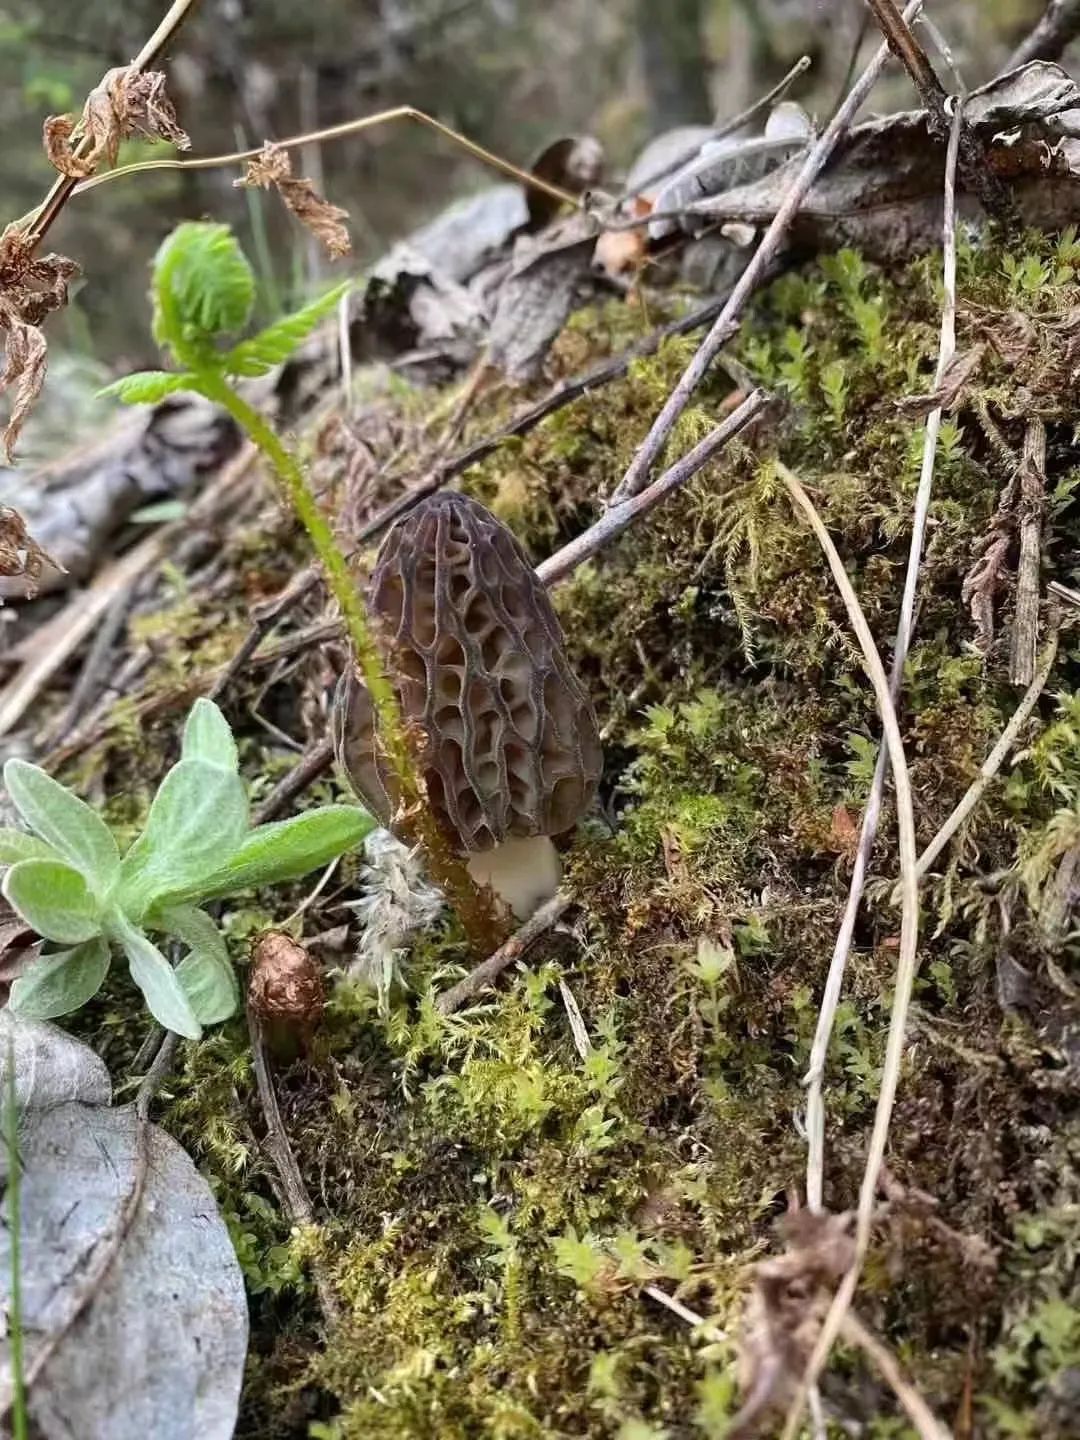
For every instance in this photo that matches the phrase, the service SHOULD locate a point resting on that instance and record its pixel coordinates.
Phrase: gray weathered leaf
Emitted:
(537, 296)
(50, 1067)
(881, 191)
(134, 1317)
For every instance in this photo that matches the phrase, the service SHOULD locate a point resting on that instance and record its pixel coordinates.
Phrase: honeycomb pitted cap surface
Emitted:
(509, 738)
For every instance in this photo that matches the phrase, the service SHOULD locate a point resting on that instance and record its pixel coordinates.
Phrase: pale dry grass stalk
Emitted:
(727, 322)
(926, 1423)
(814, 1080)
(906, 962)
(337, 132)
(994, 761)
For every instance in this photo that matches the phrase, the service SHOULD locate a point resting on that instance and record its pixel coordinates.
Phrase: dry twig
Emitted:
(927, 1424)
(565, 393)
(315, 761)
(618, 517)
(1059, 26)
(974, 169)
(1025, 635)
(994, 761)
(906, 960)
(293, 1191)
(727, 322)
(489, 969)
(815, 1104)
(337, 132)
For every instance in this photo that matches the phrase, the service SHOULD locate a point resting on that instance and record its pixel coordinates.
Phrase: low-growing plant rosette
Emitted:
(69, 882)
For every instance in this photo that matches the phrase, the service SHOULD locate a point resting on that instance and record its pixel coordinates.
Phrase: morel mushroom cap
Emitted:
(285, 982)
(285, 991)
(509, 742)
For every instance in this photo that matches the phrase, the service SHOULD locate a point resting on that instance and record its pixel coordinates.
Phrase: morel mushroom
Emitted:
(285, 992)
(507, 739)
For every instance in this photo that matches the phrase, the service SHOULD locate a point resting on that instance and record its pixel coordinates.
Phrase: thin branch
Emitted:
(724, 128)
(994, 761)
(1032, 503)
(710, 1332)
(993, 195)
(64, 186)
(815, 1103)
(912, 56)
(294, 1195)
(926, 1423)
(490, 969)
(619, 517)
(154, 1078)
(1059, 26)
(565, 393)
(314, 762)
(906, 961)
(727, 322)
(337, 132)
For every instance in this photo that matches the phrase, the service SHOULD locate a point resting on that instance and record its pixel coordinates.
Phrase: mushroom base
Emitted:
(523, 872)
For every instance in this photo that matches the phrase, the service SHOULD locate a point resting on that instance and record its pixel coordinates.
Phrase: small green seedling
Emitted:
(69, 882)
(203, 291)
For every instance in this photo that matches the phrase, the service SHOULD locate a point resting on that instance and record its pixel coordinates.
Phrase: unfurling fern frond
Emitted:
(277, 342)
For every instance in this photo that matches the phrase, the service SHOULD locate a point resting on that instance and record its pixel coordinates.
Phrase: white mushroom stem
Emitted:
(523, 873)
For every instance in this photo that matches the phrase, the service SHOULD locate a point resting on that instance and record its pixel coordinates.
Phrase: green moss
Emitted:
(493, 1204)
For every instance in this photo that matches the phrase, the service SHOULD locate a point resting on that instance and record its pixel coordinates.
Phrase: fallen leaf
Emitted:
(538, 294)
(134, 1317)
(271, 169)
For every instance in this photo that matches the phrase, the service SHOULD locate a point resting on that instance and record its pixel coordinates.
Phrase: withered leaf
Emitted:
(271, 169)
(126, 102)
(784, 1312)
(56, 137)
(538, 294)
(30, 289)
(1013, 336)
(25, 363)
(981, 584)
(20, 553)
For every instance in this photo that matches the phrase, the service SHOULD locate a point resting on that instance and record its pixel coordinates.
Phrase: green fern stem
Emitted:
(473, 907)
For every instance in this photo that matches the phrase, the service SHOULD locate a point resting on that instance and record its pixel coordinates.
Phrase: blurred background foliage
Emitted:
(512, 74)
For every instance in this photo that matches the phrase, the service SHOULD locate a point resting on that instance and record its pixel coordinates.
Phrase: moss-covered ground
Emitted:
(493, 1204)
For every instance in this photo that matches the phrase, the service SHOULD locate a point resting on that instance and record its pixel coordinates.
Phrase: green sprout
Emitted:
(204, 291)
(71, 885)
